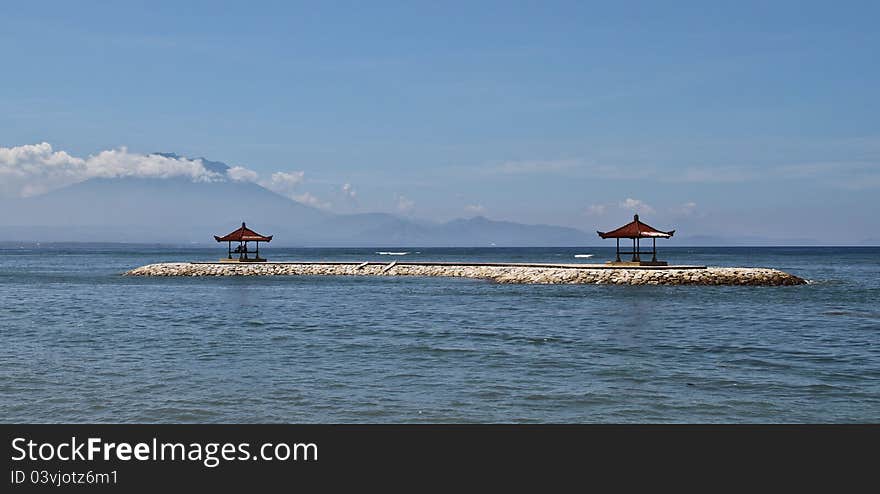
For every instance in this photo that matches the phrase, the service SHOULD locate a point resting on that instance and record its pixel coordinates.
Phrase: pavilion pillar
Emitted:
(618, 249)
(229, 250)
(635, 250)
(654, 257)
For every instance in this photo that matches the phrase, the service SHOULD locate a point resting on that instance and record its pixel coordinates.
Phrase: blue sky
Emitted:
(736, 119)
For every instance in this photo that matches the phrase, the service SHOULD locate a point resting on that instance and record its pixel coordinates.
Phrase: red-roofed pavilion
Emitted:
(637, 230)
(244, 235)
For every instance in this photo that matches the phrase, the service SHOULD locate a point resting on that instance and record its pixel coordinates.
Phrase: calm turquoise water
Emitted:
(80, 343)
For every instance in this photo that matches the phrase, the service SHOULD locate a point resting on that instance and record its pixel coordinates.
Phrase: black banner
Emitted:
(247, 457)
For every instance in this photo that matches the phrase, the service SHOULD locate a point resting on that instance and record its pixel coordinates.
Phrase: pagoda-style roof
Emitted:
(636, 229)
(243, 234)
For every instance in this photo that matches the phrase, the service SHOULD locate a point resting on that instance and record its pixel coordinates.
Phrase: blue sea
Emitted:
(81, 343)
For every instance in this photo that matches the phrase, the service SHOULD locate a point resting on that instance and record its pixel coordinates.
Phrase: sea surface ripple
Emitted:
(80, 343)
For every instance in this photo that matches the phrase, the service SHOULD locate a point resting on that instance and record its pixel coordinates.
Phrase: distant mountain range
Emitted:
(177, 210)
(180, 211)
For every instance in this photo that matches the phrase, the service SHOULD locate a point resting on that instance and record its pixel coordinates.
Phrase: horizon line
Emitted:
(376, 246)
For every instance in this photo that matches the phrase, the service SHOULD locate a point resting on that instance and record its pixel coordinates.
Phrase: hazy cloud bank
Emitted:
(34, 169)
(842, 174)
(688, 209)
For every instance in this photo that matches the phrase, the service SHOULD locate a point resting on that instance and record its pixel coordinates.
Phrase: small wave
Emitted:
(825, 282)
(852, 313)
(583, 255)
(384, 253)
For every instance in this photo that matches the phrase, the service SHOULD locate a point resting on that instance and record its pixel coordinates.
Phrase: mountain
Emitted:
(369, 229)
(211, 166)
(482, 231)
(181, 211)
(381, 229)
(152, 210)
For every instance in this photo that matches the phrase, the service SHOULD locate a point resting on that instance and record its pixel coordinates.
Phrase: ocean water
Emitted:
(81, 343)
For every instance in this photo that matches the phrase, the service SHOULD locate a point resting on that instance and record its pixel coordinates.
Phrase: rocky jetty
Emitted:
(500, 273)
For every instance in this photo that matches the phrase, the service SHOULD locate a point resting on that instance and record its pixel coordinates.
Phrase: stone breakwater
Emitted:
(561, 274)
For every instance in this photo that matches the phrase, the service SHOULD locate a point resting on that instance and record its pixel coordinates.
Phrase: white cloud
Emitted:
(740, 174)
(34, 169)
(349, 191)
(116, 163)
(242, 174)
(688, 208)
(37, 168)
(287, 184)
(475, 208)
(596, 209)
(404, 204)
(636, 206)
(310, 200)
(284, 182)
(842, 174)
